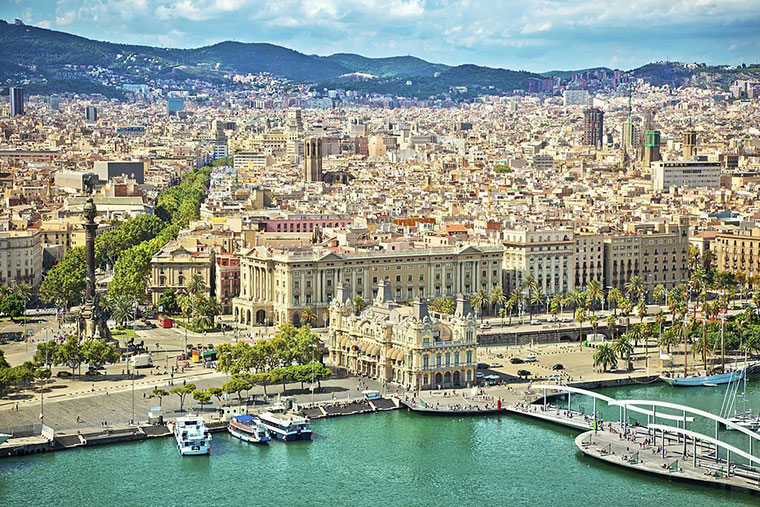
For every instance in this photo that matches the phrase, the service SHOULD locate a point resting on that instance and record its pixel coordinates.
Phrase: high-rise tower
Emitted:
(593, 127)
(312, 167)
(16, 96)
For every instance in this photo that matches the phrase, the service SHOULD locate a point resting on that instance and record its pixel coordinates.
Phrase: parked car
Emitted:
(485, 325)
(523, 373)
(479, 374)
(496, 365)
(558, 366)
(483, 366)
(516, 360)
(64, 374)
(535, 322)
(92, 373)
(530, 359)
(566, 319)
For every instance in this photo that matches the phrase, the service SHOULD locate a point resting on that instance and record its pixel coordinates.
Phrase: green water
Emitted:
(383, 459)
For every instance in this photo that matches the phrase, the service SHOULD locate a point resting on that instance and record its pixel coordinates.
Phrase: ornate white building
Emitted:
(404, 344)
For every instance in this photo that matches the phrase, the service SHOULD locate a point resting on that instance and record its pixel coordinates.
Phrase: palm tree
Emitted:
(538, 298)
(604, 357)
(531, 284)
(360, 304)
(614, 296)
(212, 308)
(594, 321)
(308, 316)
(626, 308)
(185, 303)
(515, 298)
(659, 319)
(622, 346)
(659, 293)
(497, 297)
(23, 291)
(594, 291)
(641, 311)
(478, 301)
(122, 309)
(635, 288)
(196, 284)
(580, 318)
(669, 339)
(700, 347)
(636, 334)
(442, 305)
(612, 326)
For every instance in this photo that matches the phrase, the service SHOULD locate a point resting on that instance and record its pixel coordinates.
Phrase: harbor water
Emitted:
(385, 459)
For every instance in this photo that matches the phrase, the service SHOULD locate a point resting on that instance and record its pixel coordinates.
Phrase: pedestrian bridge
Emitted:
(667, 423)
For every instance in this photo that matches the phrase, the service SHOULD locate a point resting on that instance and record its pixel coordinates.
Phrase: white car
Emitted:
(535, 322)
(485, 325)
(530, 359)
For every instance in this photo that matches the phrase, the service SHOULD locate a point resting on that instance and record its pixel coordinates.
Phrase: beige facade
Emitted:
(20, 258)
(738, 250)
(174, 266)
(404, 345)
(658, 255)
(589, 258)
(546, 255)
(278, 284)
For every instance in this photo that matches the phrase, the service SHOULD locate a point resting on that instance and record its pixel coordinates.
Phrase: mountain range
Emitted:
(49, 61)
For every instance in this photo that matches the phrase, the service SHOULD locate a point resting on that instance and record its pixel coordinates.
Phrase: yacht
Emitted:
(192, 436)
(248, 429)
(4, 437)
(285, 425)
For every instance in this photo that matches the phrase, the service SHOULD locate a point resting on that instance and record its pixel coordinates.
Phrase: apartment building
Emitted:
(20, 258)
(737, 249)
(278, 283)
(656, 253)
(544, 254)
(589, 258)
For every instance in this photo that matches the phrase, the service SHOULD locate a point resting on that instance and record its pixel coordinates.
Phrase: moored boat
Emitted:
(248, 429)
(286, 426)
(192, 436)
(705, 380)
(4, 437)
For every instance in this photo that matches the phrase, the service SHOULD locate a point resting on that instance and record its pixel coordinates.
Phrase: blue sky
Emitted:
(535, 35)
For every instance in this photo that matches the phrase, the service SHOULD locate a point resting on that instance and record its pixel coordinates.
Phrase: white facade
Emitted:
(576, 98)
(20, 258)
(685, 174)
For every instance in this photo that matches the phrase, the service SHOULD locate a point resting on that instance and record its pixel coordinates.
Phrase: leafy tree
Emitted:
(69, 353)
(201, 396)
(604, 356)
(236, 386)
(160, 394)
(168, 302)
(659, 293)
(217, 393)
(280, 376)
(12, 306)
(99, 352)
(64, 284)
(182, 393)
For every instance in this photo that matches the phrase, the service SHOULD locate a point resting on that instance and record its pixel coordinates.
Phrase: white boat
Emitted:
(192, 436)
(746, 420)
(4, 437)
(248, 429)
(285, 425)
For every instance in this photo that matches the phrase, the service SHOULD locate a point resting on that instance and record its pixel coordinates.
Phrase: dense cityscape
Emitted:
(253, 252)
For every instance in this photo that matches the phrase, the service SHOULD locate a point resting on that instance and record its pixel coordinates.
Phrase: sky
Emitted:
(534, 35)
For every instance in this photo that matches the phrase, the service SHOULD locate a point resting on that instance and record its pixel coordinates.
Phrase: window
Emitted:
(438, 360)
(469, 361)
(456, 358)
(426, 361)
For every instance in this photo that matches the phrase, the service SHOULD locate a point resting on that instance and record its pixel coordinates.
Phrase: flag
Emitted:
(42, 416)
